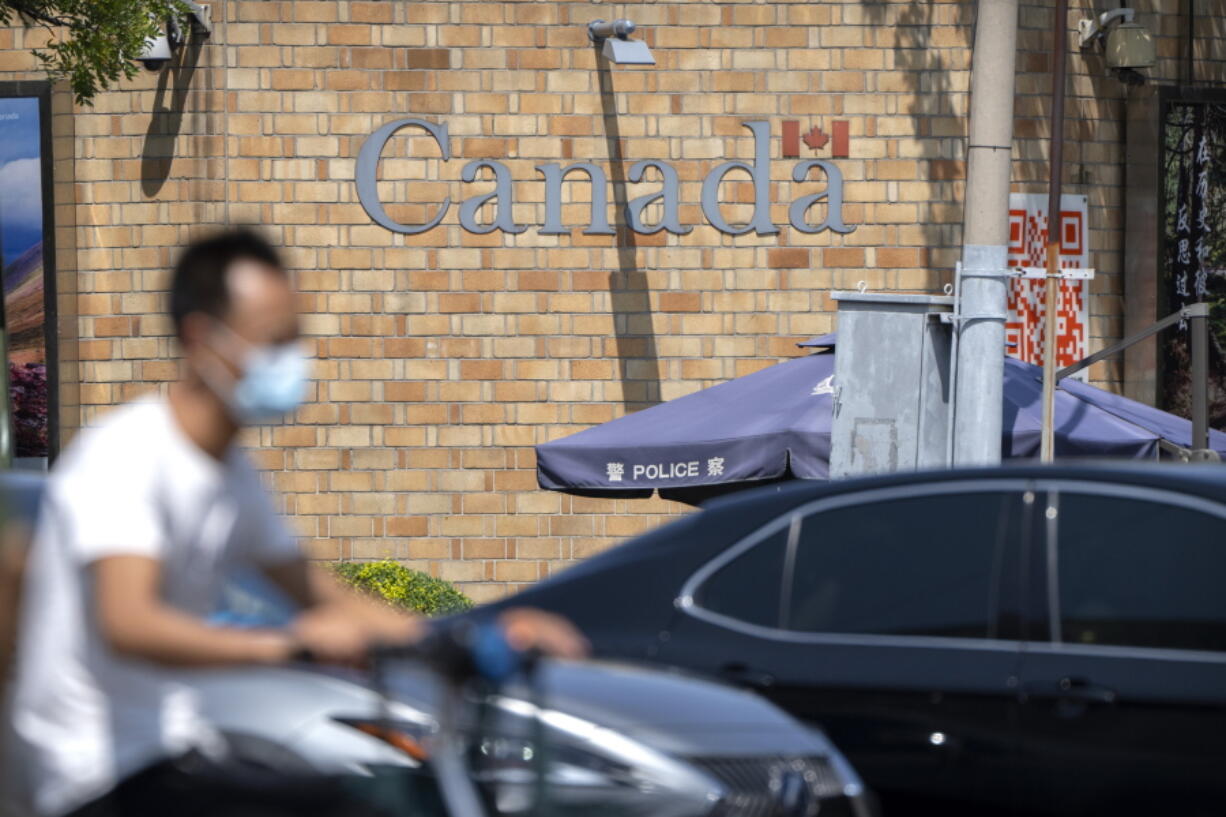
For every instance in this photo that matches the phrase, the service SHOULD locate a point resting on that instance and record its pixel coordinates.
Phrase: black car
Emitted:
(1018, 640)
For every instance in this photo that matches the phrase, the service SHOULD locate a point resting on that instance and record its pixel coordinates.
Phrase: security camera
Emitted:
(1127, 45)
(160, 50)
(1131, 47)
(156, 53)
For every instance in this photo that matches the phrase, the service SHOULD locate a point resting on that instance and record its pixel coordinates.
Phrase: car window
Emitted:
(747, 587)
(923, 565)
(1140, 573)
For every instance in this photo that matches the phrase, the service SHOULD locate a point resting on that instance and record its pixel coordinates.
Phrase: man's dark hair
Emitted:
(199, 283)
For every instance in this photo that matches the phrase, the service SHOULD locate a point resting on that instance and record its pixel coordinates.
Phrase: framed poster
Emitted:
(28, 268)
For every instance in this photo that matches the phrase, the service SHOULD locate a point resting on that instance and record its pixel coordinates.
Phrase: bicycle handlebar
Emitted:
(459, 652)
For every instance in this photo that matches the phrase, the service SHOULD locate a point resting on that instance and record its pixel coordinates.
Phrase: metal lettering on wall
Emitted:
(598, 223)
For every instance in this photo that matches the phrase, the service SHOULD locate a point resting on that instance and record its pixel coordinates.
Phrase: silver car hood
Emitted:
(673, 713)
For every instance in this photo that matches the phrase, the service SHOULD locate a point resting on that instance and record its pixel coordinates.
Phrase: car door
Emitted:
(888, 617)
(1125, 700)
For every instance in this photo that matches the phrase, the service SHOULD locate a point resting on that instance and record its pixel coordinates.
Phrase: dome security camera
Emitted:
(156, 53)
(160, 50)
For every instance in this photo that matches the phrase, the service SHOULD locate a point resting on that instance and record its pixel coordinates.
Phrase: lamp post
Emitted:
(982, 296)
(1058, 81)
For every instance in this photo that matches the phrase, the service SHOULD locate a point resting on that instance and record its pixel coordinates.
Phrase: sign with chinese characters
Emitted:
(1192, 230)
(1194, 223)
(1028, 225)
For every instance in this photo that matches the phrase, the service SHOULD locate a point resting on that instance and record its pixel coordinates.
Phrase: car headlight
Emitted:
(507, 768)
(516, 760)
(404, 735)
(585, 766)
(588, 768)
(501, 759)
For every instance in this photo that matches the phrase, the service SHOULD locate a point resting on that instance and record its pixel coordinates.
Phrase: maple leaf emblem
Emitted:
(816, 138)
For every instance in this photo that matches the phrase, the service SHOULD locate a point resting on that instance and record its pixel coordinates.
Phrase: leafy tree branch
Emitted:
(93, 42)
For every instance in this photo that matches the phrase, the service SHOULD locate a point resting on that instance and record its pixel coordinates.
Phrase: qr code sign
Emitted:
(1027, 296)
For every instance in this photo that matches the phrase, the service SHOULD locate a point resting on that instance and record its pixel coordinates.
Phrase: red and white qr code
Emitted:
(1027, 296)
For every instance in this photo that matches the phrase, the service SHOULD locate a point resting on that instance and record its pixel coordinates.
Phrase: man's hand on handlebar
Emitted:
(528, 629)
(333, 634)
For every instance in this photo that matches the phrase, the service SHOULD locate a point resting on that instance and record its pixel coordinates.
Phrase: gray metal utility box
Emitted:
(892, 383)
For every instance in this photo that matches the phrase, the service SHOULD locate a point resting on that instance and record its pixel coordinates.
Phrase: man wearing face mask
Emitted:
(145, 513)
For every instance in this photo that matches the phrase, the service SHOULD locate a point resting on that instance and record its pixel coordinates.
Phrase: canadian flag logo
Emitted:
(816, 139)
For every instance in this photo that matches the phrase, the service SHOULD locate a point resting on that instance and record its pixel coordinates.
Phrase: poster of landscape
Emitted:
(21, 258)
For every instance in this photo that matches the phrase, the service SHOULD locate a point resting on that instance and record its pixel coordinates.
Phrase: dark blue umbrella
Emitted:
(775, 424)
(1169, 427)
(771, 424)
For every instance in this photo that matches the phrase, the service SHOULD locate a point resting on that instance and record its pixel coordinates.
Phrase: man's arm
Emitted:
(309, 585)
(325, 598)
(339, 623)
(337, 615)
(136, 623)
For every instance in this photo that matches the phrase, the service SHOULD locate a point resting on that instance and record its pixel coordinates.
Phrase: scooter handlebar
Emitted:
(459, 651)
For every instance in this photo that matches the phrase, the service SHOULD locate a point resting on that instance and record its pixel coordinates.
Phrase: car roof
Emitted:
(677, 546)
(1204, 479)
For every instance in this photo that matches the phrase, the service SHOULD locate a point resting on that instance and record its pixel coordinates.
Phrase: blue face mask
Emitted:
(273, 382)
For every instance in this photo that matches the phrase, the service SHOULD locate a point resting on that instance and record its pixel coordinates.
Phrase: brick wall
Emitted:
(445, 356)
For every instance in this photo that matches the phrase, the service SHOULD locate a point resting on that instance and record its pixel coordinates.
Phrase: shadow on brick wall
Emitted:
(159, 151)
(1209, 46)
(923, 37)
(637, 359)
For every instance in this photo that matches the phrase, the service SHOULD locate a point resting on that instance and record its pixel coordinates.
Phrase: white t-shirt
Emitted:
(84, 718)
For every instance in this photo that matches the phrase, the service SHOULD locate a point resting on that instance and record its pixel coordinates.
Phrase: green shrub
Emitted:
(403, 587)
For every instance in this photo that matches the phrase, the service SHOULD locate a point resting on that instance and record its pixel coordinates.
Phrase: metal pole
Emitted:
(1188, 312)
(1200, 380)
(983, 290)
(1060, 47)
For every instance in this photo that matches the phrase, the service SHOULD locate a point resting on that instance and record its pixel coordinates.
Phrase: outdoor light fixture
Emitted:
(1129, 45)
(618, 47)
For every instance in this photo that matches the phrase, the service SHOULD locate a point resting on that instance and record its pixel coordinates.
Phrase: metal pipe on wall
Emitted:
(1190, 58)
(983, 293)
(1060, 34)
(1199, 326)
